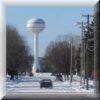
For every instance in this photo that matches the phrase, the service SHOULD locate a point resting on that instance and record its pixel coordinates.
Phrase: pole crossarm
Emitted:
(88, 15)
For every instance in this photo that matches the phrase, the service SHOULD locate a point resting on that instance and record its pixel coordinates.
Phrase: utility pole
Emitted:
(82, 52)
(71, 59)
(87, 52)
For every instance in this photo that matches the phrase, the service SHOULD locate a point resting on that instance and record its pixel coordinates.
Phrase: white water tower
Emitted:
(35, 25)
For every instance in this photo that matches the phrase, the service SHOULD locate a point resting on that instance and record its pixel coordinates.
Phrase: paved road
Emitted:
(50, 96)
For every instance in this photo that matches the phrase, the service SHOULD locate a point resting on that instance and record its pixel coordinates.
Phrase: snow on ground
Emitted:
(27, 84)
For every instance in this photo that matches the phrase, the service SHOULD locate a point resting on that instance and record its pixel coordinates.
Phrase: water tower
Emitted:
(35, 25)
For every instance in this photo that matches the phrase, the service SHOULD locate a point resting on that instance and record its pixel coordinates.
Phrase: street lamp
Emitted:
(35, 25)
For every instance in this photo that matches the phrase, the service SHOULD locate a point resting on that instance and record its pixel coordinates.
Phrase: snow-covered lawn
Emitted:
(26, 84)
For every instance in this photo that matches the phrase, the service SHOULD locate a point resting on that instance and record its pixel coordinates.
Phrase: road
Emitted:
(32, 85)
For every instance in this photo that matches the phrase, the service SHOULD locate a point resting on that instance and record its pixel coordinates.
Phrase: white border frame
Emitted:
(4, 3)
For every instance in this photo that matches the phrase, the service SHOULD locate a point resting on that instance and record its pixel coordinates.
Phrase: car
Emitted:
(46, 83)
(53, 74)
(59, 77)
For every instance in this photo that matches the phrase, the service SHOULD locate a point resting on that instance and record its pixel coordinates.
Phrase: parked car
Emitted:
(59, 77)
(53, 74)
(46, 83)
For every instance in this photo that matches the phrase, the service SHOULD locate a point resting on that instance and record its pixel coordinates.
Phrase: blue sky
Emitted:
(59, 21)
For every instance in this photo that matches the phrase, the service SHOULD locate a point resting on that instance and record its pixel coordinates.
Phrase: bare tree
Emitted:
(58, 55)
(18, 56)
